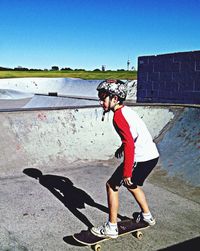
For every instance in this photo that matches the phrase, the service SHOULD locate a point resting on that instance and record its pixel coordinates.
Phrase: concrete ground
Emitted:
(44, 214)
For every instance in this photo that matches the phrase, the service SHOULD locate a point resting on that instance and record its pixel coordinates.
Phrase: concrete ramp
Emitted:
(61, 86)
(50, 101)
(49, 136)
(180, 147)
(13, 95)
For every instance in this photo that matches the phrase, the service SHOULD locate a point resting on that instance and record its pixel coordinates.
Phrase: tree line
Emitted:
(53, 68)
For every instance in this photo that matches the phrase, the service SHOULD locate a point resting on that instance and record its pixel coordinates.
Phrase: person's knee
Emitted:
(111, 187)
(132, 188)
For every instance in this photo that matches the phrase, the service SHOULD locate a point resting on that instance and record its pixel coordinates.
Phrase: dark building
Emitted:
(169, 78)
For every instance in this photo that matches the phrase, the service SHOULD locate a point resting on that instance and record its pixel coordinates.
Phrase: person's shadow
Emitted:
(72, 197)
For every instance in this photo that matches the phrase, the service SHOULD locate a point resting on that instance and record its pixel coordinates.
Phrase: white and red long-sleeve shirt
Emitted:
(137, 141)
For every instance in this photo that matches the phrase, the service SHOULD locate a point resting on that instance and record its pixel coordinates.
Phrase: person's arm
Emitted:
(123, 129)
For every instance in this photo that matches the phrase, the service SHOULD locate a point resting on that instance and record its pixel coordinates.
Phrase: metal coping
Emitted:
(128, 103)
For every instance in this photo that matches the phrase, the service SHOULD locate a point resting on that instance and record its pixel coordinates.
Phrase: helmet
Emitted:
(113, 87)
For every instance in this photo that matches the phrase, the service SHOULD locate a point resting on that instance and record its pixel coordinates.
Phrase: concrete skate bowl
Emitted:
(52, 92)
(61, 86)
(72, 143)
(52, 136)
(47, 92)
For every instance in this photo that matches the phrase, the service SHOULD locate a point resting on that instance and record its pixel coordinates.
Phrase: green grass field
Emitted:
(129, 75)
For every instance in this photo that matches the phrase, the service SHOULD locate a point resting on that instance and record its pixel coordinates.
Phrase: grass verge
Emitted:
(129, 75)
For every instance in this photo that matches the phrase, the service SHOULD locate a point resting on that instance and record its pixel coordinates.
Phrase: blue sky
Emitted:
(88, 34)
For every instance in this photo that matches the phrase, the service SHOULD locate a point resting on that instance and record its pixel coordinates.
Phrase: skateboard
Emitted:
(125, 227)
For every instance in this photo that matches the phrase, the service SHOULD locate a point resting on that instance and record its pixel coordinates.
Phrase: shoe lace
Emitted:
(102, 228)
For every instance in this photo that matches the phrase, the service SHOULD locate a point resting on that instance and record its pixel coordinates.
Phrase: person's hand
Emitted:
(127, 181)
(119, 152)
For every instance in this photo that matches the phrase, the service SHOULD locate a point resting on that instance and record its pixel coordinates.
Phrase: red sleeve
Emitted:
(123, 129)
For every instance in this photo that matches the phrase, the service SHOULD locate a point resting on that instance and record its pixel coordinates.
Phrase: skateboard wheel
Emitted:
(97, 247)
(139, 235)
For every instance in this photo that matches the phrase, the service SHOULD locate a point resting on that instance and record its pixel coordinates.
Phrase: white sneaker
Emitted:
(151, 221)
(105, 231)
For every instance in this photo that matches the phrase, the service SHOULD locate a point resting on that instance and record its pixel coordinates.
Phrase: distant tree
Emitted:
(96, 70)
(79, 69)
(55, 68)
(5, 69)
(20, 68)
(120, 70)
(66, 69)
(35, 69)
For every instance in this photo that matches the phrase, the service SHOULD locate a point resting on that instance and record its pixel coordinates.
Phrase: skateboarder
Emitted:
(138, 150)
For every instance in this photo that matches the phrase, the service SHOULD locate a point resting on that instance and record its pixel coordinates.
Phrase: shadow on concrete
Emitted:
(72, 197)
(192, 245)
(70, 240)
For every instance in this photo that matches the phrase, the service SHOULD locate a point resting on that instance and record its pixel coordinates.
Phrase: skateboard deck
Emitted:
(125, 227)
